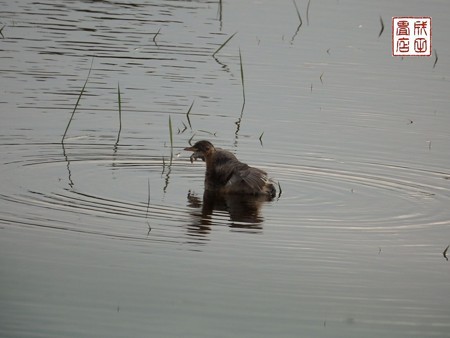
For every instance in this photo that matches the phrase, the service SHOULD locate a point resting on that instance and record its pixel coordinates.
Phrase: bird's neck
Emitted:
(209, 160)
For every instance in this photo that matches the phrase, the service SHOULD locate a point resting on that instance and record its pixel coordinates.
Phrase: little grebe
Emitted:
(226, 174)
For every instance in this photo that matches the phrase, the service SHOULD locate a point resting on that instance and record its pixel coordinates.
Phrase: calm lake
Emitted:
(109, 234)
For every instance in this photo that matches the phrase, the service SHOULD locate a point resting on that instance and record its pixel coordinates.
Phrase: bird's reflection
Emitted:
(244, 211)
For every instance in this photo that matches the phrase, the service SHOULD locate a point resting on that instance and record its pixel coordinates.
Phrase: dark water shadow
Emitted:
(244, 211)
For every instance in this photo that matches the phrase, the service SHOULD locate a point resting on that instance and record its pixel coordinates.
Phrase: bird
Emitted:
(226, 174)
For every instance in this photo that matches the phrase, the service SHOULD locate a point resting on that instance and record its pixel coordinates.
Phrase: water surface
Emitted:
(110, 235)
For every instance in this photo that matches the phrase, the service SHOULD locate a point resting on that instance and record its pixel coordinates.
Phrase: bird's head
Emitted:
(201, 149)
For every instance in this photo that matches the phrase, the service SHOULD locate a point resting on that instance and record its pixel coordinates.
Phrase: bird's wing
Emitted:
(230, 171)
(224, 164)
(255, 178)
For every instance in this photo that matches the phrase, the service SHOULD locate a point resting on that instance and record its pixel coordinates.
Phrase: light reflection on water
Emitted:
(124, 235)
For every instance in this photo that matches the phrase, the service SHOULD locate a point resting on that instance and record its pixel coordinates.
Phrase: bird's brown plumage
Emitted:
(226, 174)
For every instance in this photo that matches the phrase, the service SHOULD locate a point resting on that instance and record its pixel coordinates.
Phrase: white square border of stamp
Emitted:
(393, 40)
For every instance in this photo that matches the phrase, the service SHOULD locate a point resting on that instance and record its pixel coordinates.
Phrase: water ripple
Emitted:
(327, 194)
(367, 196)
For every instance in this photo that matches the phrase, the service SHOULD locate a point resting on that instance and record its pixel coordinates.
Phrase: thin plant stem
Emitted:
(78, 101)
(238, 122)
(242, 75)
(148, 197)
(187, 114)
(223, 44)
(171, 136)
(300, 24)
(120, 114)
(307, 13)
(298, 12)
(190, 140)
(154, 37)
(436, 58)
(382, 26)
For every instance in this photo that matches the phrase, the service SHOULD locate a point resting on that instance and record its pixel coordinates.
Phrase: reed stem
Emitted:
(120, 113)
(78, 101)
(223, 44)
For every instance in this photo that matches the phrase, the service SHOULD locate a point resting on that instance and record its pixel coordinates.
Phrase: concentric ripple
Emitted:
(128, 194)
(92, 189)
(363, 195)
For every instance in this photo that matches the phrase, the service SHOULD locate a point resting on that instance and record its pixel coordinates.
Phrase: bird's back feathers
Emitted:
(224, 171)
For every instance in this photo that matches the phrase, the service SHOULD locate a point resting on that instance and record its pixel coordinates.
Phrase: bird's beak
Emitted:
(196, 154)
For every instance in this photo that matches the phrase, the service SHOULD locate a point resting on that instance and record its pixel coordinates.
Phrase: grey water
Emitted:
(111, 235)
